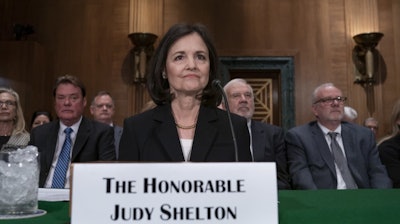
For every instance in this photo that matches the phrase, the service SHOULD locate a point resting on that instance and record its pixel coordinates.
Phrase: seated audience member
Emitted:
(267, 141)
(40, 117)
(71, 138)
(389, 147)
(372, 124)
(350, 114)
(331, 154)
(185, 124)
(102, 110)
(12, 122)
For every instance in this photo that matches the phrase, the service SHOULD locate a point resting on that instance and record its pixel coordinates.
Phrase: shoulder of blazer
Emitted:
(154, 113)
(262, 126)
(212, 113)
(92, 125)
(47, 128)
(305, 128)
(350, 128)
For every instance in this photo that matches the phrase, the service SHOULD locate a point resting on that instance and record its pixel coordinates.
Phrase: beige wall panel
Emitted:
(89, 39)
(303, 29)
(389, 47)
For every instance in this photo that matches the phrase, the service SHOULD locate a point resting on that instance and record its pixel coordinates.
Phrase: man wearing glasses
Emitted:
(102, 110)
(329, 154)
(267, 141)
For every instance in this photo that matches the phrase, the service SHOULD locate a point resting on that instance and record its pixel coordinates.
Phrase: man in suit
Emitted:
(102, 110)
(267, 141)
(71, 138)
(330, 153)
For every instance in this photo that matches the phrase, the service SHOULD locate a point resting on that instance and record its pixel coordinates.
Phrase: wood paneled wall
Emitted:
(89, 39)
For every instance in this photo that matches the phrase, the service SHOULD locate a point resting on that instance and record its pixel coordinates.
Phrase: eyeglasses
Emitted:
(330, 100)
(7, 103)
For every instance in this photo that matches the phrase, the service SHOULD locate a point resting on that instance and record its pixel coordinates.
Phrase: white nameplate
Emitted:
(174, 193)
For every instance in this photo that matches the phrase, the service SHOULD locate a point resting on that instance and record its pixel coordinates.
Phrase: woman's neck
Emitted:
(6, 128)
(185, 109)
(185, 115)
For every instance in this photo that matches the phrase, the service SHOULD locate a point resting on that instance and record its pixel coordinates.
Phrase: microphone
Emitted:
(217, 83)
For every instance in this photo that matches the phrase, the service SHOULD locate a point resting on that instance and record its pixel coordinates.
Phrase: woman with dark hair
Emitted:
(186, 124)
(40, 117)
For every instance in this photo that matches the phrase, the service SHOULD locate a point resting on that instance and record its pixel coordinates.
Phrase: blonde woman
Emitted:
(12, 122)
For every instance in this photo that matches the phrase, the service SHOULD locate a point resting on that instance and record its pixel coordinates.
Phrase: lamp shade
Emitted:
(142, 39)
(368, 40)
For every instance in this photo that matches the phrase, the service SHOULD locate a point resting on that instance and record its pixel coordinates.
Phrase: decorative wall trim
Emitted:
(283, 64)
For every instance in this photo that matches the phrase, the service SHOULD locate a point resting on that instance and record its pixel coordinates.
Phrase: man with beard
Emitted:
(267, 141)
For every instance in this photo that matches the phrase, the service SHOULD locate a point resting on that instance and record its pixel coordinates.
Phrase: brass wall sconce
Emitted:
(366, 60)
(142, 51)
(134, 66)
(365, 57)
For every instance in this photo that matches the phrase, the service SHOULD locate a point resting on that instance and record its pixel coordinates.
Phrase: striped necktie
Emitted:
(61, 169)
(341, 162)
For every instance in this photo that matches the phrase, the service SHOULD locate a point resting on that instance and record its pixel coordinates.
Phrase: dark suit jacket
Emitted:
(94, 142)
(152, 136)
(389, 152)
(269, 146)
(311, 163)
(117, 137)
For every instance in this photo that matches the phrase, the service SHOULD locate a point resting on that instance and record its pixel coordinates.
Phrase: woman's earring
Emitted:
(164, 75)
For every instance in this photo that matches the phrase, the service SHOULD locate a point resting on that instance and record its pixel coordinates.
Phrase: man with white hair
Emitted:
(267, 141)
(350, 114)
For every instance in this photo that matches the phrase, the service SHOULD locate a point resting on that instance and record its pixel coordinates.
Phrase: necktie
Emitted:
(60, 171)
(341, 162)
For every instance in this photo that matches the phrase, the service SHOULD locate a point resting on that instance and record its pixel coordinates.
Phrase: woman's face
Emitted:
(8, 108)
(188, 65)
(39, 120)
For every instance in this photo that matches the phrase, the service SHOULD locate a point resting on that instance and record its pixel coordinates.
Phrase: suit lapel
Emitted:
(81, 137)
(326, 154)
(351, 155)
(205, 134)
(52, 143)
(257, 139)
(167, 133)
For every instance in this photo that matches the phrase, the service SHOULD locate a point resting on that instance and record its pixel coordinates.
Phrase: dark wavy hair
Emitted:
(158, 87)
(41, 112)
(69, 79)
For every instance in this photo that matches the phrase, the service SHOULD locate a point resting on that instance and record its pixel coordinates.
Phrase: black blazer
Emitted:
(389, 152)
(94, 142)
(269, 146)
(152, 136)
(311, 164)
